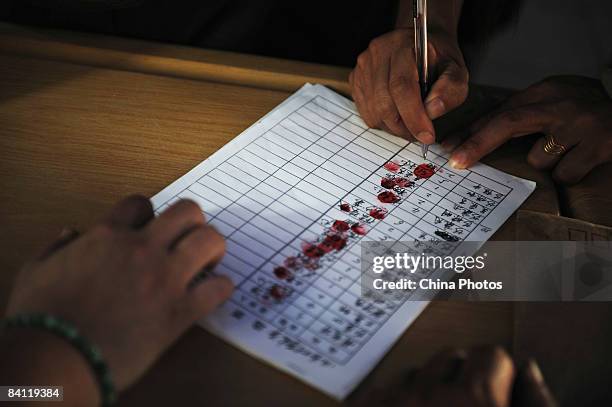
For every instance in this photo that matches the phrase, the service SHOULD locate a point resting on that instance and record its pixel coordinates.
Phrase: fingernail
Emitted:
(425, 137)
(435, 108)
(458, 160)
(534, 372)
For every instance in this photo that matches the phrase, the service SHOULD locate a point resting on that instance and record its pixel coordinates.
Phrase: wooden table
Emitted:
(85, 120)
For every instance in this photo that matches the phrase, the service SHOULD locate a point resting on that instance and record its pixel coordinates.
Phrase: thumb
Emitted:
(448, 92)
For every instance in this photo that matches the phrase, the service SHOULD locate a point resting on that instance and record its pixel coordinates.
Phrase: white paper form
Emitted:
(294, 195)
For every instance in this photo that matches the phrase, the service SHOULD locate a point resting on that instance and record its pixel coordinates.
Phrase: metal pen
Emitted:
(419, 12)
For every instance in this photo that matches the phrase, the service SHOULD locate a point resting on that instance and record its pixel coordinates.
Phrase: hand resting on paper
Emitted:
(127, 285)
(575, 110)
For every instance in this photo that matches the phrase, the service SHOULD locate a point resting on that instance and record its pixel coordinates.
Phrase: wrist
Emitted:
(32, 356)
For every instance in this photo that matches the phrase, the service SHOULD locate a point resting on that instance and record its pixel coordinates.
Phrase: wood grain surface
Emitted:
(75, 137)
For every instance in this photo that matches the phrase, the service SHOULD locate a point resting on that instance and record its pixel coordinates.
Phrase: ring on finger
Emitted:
(552, 147)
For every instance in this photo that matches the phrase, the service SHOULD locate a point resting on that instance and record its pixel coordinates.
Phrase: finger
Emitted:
(207, 296)
(500, 128)
(535, 94)
(448, 92)
(530, 389)
(575, 164)
(132, 212)
(360, 99)
(202, 246)
(490, 372)
(451, 142)
(65, 237)
(175, 222)
(385, 107)
(406, 94)
(363, 80)
(540, 159)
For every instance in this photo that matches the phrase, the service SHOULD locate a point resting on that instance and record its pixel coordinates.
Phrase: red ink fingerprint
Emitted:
(359, 229)
(292, 262)
(332, 242)
(339, 242)
(403, 182)
(392, 166)
(344, 207)
(387, 183)
(378, 213)
(424, 171)
(388, 197)
(311, 264)
(278, 292)
(282, 273)
(311, 250)
(340, 226)
(325, 246)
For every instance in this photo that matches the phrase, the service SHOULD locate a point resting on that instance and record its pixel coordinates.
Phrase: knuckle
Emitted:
(384, 105)
(512, 116)
(363, 60)
(376, 44)
(545, 86)
(351, 78)
(542, 85)
(399, 84)
(191, 209)
(463, 90)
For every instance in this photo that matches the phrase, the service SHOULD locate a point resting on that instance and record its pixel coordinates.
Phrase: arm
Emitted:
(34, 357)
(130, 277)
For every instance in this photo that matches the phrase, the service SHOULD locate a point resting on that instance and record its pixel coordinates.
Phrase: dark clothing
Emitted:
(331, 32)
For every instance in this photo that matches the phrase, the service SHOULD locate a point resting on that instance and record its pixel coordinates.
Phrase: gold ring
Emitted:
(552, 147)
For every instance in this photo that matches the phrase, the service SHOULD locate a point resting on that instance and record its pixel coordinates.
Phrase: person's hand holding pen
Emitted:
(385, 81)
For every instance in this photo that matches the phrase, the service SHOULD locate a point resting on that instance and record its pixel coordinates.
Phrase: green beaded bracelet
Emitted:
(68, 332)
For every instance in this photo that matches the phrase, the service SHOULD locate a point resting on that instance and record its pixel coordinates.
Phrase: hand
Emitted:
(128, 283)
(575, 110)
(385, 84)
(483, 376)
